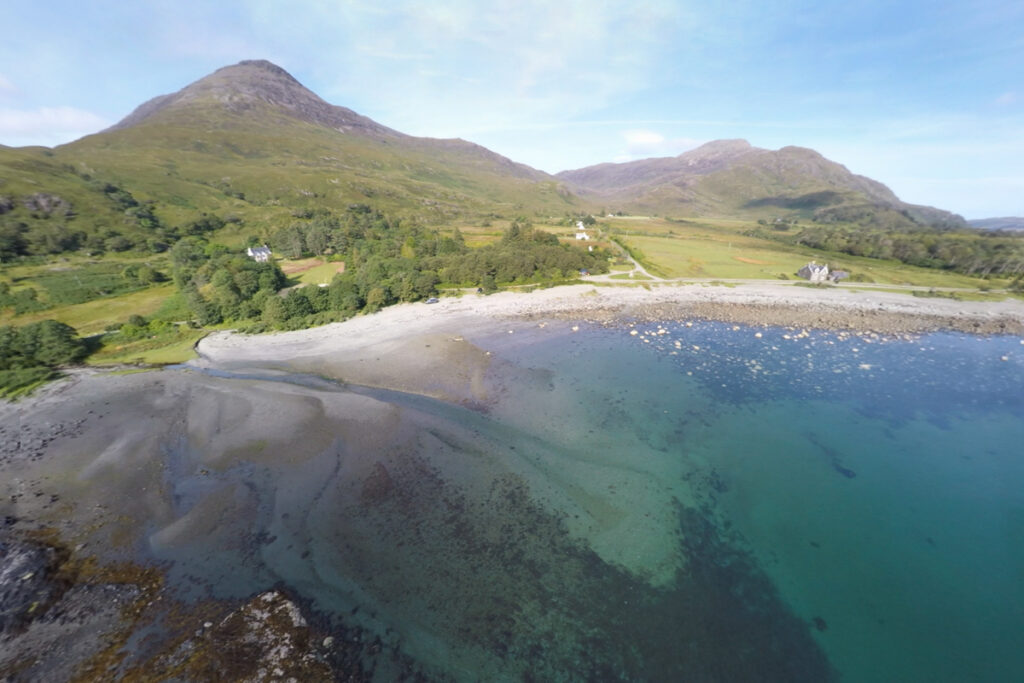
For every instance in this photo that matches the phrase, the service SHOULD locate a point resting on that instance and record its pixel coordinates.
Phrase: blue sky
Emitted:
(927, 97)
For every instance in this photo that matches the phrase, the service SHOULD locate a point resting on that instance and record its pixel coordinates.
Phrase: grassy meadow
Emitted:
(176, 346)
(310, 271)
(717, 248)
(93, 317)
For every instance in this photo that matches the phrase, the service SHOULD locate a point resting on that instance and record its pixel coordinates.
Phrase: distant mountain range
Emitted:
(733, 178)
(1006, 223)
(251, 141)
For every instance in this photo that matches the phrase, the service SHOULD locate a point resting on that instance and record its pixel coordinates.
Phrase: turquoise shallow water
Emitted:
(880, 485)
(701, 502)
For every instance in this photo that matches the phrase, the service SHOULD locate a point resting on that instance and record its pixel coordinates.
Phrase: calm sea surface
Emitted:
(670, 501)
(879, 486)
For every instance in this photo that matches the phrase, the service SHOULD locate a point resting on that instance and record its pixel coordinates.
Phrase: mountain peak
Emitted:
(261, 64)
(256, 74)
(719, 146)
(249, 87)
(715, 155)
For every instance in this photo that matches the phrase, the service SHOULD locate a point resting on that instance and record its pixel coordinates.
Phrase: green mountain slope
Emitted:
(46, 206)
(251, 140)
(732, 178)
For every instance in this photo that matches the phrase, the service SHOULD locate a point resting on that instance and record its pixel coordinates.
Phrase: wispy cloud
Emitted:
(1006, 98)
(47, 126)
(5, 85)
(510, 63)
(648, 143)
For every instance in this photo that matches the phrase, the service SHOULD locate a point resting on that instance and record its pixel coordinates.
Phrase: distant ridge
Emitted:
(1005, 223)
(732, 177)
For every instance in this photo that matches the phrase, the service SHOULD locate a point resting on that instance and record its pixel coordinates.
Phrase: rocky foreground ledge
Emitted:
(63, 617)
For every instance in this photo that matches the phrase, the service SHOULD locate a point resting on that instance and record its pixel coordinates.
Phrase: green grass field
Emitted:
(93, 317)
(172, 348)
(311, 271)
(708, 248)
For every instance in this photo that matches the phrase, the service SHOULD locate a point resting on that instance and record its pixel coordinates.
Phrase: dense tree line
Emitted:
(31, 353)
(220, 284)
(385, 261)
(523, 255)
(979, 254)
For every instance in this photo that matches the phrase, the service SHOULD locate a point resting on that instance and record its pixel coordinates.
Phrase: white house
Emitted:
(259, 254)
(814, 272)
(581, 231)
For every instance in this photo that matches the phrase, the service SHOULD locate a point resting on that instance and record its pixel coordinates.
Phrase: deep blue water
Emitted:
(703, 501)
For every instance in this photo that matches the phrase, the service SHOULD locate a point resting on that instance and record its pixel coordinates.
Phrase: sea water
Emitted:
(878, 483)
(699, 501)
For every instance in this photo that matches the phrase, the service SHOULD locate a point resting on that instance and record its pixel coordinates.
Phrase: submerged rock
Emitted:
(28, 582)
(52, 621)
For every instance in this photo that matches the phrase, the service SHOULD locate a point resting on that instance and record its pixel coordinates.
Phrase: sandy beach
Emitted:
(859, 311)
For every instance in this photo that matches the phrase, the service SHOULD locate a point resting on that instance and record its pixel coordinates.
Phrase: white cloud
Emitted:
(642, 143)
(47, 126)
(1006, 98)
(6, 85)
(643, 137)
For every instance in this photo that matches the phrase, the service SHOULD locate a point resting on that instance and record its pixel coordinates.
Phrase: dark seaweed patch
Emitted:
(503, 575)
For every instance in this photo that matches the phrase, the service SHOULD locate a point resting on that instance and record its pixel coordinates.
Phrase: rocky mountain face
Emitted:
(252, 88)
(732, 177)
(633, 176)
(244, 86)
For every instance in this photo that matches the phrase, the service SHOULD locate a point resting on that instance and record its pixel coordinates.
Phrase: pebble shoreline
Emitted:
(782, 305)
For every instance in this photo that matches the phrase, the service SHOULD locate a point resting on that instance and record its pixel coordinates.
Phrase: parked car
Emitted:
(433, 300)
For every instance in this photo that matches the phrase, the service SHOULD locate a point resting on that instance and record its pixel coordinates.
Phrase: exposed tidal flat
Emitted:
(564, 485)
